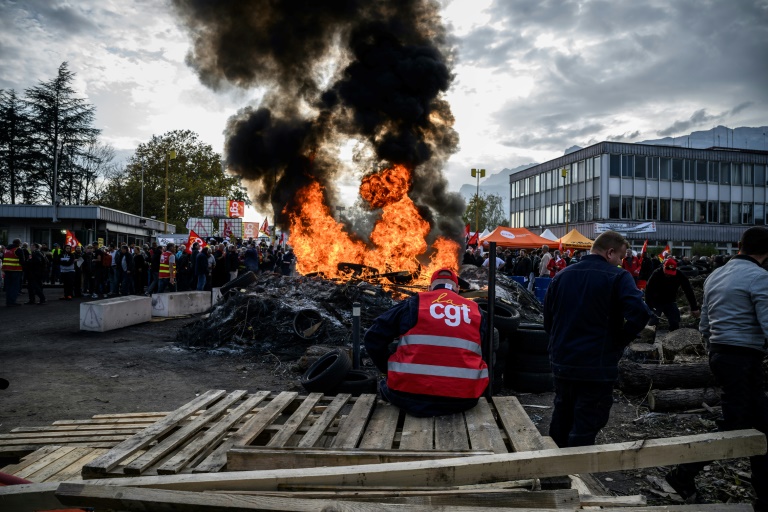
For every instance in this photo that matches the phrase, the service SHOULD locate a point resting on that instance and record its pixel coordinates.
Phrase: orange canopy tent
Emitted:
(575, 240)
(515, 238)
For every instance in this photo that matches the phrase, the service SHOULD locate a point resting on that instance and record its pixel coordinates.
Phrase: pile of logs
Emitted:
(672, 370)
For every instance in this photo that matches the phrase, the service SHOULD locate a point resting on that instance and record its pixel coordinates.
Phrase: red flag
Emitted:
(264, 227)
(71, 240)
(466, 232)
(645, 247)
(560, 245)
(226, 232)
(193, 238)
(473, 239)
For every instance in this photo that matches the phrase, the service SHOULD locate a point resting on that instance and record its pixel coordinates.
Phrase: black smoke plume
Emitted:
(373, 70)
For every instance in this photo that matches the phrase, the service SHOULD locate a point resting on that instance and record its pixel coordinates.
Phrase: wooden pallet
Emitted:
(239, 431)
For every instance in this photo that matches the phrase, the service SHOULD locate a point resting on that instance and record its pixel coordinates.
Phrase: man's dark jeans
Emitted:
(581, 409)
(671, 311)
(423, 406)
(744, 406)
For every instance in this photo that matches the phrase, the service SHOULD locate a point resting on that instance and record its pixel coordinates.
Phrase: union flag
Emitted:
(193, 238)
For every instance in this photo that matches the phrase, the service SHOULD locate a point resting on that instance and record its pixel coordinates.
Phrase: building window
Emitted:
(714, 172)
(688, 170)
(589, 215)
(665, 169)
(746, 213)
(639, 208)
(626, 207)
(746, 174)
(664, 210)
(677, 210)
(735, 213)
(725, 212)
(701, 171)
(590, 164)
(627, 166)
(736, 174)
(615, 166)
(580, 217)
(725, 173)
(613, 207)
(652, 209)
(759, 175)
(701, 212)
(712, 211)
(596, 167)
(760, 214)
(640, 167)
(596, 208)
(688, 211)
(677, 169)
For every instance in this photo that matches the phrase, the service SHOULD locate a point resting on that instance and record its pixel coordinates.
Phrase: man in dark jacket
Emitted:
(523, 266)
(127, 270)
(591, 312)
(201, 268)
(661, 294)
(36, 269)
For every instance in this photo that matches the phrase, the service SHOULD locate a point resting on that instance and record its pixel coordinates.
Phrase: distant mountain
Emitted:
(720, 136)
(497, 183)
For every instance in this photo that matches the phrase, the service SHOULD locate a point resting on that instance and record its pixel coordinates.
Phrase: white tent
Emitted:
(549, 235)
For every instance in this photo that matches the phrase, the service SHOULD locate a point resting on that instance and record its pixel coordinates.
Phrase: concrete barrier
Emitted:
(180, 303)
(215, 295)
(108, 314)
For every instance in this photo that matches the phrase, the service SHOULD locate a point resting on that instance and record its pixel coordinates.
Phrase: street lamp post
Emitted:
(477, 173)
(564, 174)
(171, 155)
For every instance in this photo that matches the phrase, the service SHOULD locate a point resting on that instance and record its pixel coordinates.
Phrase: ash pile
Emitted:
(284, 315)
(507, 290)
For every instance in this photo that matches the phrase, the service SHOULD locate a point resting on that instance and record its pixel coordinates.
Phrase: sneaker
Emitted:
(685, 487)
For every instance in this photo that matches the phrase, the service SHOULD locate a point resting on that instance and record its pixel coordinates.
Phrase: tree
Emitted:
(16, 153)
(196, 172)
(59, 119)
(491, 211)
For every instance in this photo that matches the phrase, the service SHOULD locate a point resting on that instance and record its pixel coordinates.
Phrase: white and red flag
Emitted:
(193, 238)
(264, 227)
(71, 240)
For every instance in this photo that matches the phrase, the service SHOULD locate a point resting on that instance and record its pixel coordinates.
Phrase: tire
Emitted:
(241, 282)
(531, 382)
(306, 319)
(529, 341)
(533, 363)
(688, 270)
(505, 318)
(531, 327)
(499, 367)
(327, 373)
(356, 383)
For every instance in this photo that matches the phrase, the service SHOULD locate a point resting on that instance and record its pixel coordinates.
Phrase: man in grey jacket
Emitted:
(734, 319)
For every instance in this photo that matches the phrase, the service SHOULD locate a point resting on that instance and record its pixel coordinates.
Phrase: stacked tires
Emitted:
(506, 319)
(333, 374)
(528, 368)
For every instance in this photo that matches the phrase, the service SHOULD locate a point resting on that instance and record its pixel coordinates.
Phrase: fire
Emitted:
(399, 236)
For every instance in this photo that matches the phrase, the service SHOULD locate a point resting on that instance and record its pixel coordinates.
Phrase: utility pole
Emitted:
(564, 174)
(142, 190)
(477, 173)
(171, 155)
(57, 148)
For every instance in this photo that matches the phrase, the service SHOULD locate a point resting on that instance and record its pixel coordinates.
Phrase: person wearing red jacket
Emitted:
(632, 264)
(438, 366)
(556, 264)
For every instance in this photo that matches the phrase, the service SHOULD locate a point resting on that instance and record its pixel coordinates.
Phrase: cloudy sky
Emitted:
(532, 77)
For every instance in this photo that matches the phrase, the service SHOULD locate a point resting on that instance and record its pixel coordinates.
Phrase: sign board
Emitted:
(625, 228)
(175, 240)
(215, 207)
(100, 242)
(203, 227)
(230, 227)
(236, 209)
(250, 230)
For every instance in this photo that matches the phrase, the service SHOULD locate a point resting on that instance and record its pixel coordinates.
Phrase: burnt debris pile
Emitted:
(508, 291)
(284, 315)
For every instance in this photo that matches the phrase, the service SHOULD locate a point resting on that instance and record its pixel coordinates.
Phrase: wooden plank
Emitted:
(139, 441)
(257, 458)
(23, 450)
(60, 464)
(44, 462)
(30, 459)
(34, 436)
(10, 443)
(451, 432)
(183, 434)
(521, 431)
(247, 433)
(352, 427)
(82, 429)
(417, 433)
(293, 423)
(482, 429)
(73, 472)
(155, 415)
(381, 427)
(125, 498)
(104, 421)
(590, 500)
(205, 442)
(325, 419)
(443, 472)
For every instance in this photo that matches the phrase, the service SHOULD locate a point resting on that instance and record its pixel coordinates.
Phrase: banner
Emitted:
(215, 207)
(625, 228)
(231, 227)
(236, 209)
(203, 227)
(250, 230)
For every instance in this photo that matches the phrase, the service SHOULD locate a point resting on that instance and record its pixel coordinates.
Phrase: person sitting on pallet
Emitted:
(438, 366)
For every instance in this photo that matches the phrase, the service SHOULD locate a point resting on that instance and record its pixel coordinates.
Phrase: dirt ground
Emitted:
(58, 372)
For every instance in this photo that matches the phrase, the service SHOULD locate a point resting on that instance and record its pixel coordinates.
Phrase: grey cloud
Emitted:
(741, 107)
(697, 119)
(624, 137)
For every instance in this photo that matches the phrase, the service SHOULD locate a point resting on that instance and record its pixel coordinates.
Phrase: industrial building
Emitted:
(691, 195)
(48, 224)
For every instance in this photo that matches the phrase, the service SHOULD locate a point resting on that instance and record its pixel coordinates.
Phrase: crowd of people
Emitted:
(94, 271)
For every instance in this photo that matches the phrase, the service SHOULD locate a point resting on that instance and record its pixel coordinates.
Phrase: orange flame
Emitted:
(399, 236)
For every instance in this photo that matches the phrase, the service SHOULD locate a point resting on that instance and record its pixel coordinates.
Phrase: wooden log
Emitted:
(684, 341)
(641, 352)
(444, 472)
(640, 378)
(682, 399)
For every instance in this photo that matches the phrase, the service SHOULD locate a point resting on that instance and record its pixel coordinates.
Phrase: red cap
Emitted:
(670, 267)
(445, 273)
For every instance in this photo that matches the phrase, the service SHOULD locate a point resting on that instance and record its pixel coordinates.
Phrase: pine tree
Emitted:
(16, 155)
